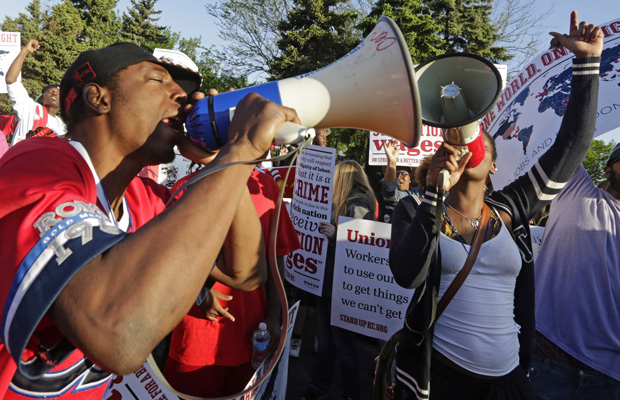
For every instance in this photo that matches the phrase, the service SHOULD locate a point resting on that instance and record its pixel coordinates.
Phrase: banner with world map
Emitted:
(527, 117)
(10, 45)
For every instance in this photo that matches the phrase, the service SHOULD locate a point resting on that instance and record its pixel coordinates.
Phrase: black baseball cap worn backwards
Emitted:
(93, 65)
(614, 155)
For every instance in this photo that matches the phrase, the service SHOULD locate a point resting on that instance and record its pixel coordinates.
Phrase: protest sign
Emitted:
(10, 45)
(311, 205)
(365, 297)
(527, 117)
(146, 383)
(430, 140)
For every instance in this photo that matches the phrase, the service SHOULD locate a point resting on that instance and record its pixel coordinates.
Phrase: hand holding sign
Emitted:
(327, 229)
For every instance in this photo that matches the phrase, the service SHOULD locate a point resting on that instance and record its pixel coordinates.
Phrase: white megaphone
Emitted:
(373, 87)
(456, 90)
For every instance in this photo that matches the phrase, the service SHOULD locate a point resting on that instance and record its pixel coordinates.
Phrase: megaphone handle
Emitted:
(443, 178)
(290, 132)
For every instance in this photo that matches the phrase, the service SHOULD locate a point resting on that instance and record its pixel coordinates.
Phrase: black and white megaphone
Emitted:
(456, 90)
(373, 87)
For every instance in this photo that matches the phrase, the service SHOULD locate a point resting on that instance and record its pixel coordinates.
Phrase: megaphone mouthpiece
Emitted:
(457, 90)
(471, 78)
(454, 106)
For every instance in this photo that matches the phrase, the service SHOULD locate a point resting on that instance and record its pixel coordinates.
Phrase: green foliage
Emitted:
(313, 36)
(596, 159)
(436, 27)
(465, 26)
(73, 26)
(102, 25)
(36, 73)
(353, 143)
(140, 26)
(209, 65)
(414, 19)
(250, 27)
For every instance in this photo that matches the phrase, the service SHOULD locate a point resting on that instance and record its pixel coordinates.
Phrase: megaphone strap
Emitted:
(216, 132)
(273, 266)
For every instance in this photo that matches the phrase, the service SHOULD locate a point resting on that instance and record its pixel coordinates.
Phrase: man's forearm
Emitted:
(121, 304)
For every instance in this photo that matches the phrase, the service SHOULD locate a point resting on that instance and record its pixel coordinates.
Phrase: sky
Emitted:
(191, 19)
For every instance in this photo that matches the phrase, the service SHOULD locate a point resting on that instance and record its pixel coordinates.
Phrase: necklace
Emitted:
(474, 223)
(458, 235)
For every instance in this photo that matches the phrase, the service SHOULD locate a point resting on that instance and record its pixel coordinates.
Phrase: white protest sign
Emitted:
(365, 298)
(311, 205)
(10, 45)
(144, 383)
(527, 117)
(430, 140)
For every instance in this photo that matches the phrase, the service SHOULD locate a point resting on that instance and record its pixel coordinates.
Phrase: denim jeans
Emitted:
(335, 343)
(552, 380)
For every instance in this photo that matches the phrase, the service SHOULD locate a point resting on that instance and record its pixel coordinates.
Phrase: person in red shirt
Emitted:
(95, 271)
(194, 365)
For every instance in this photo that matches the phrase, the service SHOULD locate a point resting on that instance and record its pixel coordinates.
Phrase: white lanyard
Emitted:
(125, 223)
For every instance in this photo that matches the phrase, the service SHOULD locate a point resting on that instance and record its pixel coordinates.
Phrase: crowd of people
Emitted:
(101, 266)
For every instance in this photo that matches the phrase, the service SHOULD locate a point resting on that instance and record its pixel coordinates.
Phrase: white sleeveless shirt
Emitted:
(477, 331)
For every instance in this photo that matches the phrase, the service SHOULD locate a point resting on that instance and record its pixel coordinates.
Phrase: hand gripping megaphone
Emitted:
(456, 90)
(373, 87)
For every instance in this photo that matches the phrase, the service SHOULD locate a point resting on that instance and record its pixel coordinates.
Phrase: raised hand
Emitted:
(392, 149)
(32, 46)
(584, 40)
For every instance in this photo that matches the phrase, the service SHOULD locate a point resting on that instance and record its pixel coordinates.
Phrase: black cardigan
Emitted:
(415, 257)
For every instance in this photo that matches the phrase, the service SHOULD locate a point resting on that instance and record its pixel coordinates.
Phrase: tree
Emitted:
(209, 65)
(596, 158)
(414, 19)
(313, 36)
(251, 28)
(102, 25)
(521, 30)
(61, 43)
(466, 26)
(140, 26)
(57, 31)
(72, 26)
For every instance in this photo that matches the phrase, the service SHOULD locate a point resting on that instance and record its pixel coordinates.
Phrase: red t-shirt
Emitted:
(8, 124)
(50, 227)
(197, 341)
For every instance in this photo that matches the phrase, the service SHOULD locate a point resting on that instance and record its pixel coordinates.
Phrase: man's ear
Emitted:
(96, 98)
(607, 172)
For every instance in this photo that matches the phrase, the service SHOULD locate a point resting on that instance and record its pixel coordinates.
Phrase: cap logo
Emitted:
(71, 96)
(83, 75)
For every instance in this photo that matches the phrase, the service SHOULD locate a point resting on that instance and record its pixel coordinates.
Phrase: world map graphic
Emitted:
(2, 54)
(553, 96)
